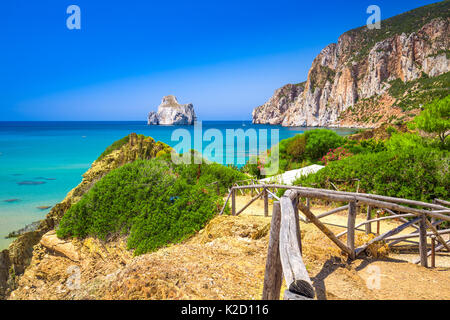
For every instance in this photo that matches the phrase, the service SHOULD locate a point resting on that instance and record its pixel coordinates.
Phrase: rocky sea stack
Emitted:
(170, 112)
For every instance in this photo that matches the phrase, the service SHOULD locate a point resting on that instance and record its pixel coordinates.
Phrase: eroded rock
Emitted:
(170, 112)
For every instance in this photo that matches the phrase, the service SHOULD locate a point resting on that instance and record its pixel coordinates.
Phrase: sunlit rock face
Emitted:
(353, 69)
(170, 112)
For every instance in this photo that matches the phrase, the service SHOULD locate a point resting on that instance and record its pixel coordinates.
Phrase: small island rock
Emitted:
(170, 112)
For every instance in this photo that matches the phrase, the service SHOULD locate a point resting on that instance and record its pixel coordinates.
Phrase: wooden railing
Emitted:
(284, 253)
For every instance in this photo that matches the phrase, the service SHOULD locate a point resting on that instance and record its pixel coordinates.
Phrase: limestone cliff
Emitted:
(170, 112)
(357, 74)
(14, 261)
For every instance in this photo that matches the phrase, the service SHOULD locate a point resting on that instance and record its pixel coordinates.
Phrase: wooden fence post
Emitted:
(266, 203)
(308, 203)
(294, 269)
(351, 228)
(433, 251)
(369, 217)
(274, 273)
(423, 241)
(378, 223)
(297, 221)
(233, 202)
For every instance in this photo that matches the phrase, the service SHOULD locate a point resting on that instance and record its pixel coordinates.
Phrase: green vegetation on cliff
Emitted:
(407, 23)
(414, 94)
(435, 119)
(153, 201)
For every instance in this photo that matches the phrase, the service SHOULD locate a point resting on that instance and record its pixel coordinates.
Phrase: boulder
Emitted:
(170, 112)
(60, 246)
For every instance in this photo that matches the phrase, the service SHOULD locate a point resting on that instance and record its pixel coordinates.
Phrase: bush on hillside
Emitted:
(435, 118)
(307, 148)
(320, 141)
(420, 174)
(152, 201)
(296, 147)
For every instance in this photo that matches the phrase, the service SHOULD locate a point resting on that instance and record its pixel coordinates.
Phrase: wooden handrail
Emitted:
(294, 270)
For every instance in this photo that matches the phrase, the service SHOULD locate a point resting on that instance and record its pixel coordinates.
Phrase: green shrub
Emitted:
(435, 118)
(115, 146)
(420, 173)
(336, 155)
(154, 202)
(302, 150)
(404, 141)
(296, 147)
(320, 141)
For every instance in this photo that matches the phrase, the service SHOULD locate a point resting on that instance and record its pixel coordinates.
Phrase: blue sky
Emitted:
(225, 57)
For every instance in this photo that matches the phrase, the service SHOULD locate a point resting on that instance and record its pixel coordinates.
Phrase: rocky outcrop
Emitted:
(20, 252)
(355, 69)
(274, 110)
(59, 246)
(170, 112)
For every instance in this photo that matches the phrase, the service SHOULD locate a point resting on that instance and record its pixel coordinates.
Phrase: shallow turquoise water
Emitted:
(40, 162)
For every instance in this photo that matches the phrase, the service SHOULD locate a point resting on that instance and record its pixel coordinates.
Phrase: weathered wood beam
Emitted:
(368, 218)
(442, 202)
(294, 270)
(363, 195)
(438, 236)
(376, 220)
(274, 273)
(274, 195)
(288, 295)
(248, 204)
(438, 248)
(326, 214)
(233, 201)
(433, 252)
(374, 203)
(323, 228)
(401, 219)
(360, 249)
(224, 206)
(378, 197)
(415, 235)
(423, 241)
(351, 228)
(266, 203)
(394, 242)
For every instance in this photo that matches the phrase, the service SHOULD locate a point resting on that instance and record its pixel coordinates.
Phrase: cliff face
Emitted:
(361, 67)
(15, 260)
(170, 112)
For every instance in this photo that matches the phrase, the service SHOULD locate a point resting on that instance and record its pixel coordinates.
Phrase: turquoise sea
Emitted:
(40, 162)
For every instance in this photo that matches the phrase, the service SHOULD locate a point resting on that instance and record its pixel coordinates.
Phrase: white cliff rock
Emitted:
(170, 112)
(342, 74)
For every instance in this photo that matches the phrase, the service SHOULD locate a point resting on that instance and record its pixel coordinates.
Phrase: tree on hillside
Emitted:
(435, 118)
